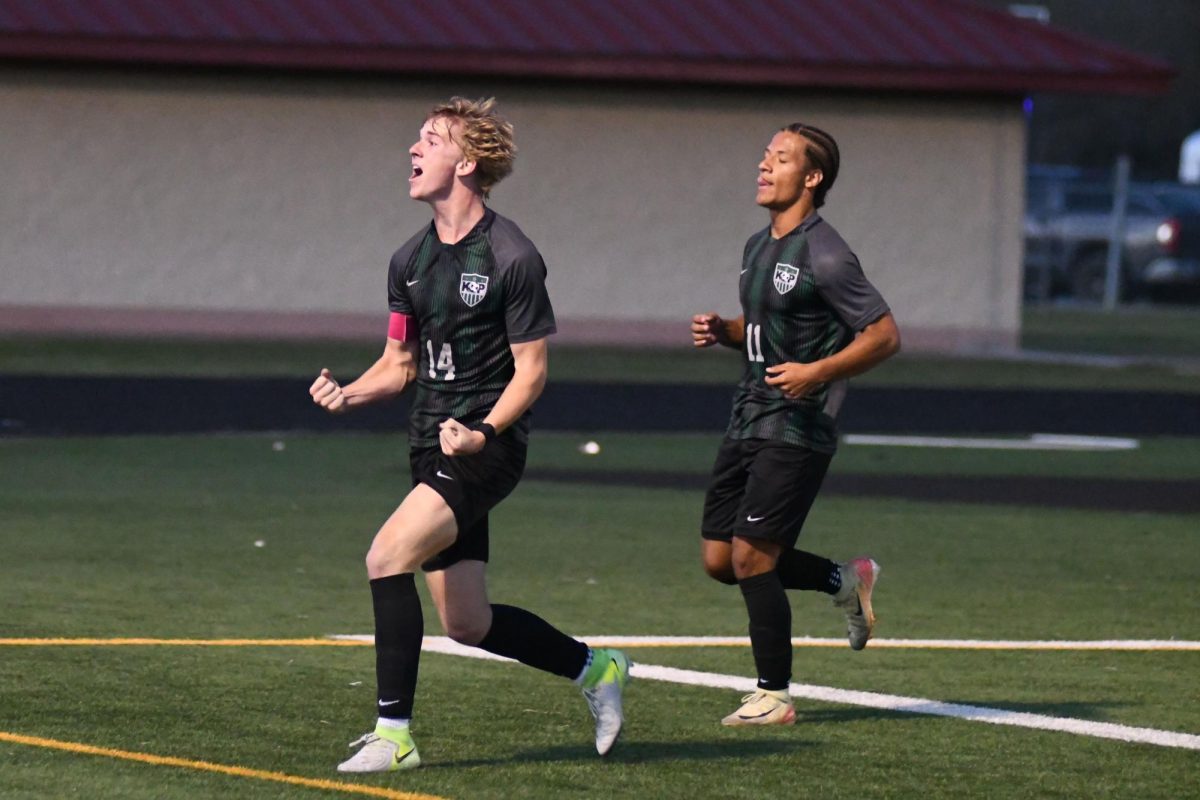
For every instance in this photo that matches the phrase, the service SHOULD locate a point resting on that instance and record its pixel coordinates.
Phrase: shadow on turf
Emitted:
(1091, 711)
(1080, 710)
(638, 752)
(851, 714)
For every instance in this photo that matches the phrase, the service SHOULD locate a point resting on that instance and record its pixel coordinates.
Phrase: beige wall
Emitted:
(286, 195)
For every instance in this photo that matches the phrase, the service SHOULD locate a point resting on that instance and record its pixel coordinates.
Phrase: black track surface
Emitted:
(40, 405)
(56, 406)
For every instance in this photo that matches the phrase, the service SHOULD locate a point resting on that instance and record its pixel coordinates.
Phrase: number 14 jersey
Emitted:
(471, 301)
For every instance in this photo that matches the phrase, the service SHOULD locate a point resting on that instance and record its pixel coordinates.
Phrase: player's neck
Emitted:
(786, 220)
(455, 216)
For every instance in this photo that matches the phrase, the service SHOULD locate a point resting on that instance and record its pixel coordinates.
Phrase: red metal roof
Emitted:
(923, 45)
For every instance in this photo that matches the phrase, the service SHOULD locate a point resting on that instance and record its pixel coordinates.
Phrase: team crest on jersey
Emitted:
(785, 278)
(472, 288)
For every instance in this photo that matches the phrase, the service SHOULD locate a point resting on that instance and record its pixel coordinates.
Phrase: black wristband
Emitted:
(487, 429)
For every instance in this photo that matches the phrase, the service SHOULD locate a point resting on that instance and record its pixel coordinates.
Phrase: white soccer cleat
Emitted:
(858, 581)
(604, 696)
(384, 750)
(763, 707)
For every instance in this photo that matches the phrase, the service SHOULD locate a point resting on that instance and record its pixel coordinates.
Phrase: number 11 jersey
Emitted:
(804, 296)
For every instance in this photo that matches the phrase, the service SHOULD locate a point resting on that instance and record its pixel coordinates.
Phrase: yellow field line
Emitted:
(208, 766)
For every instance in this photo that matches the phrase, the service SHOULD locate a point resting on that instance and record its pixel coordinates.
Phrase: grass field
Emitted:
(1150, 334)
(156, 538)
(1127, 331)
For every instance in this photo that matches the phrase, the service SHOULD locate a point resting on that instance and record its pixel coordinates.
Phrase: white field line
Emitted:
(887, 702)
(917, 705)
(1038, 441)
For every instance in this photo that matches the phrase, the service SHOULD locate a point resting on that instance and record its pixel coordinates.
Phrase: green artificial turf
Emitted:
(1127, 331)
(659, 365)
(693, 453)
(263, 536)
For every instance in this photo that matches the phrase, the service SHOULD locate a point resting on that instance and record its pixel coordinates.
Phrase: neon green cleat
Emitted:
(602, 687)
(384, 750)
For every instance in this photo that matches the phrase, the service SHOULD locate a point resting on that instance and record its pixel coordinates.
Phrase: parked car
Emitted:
(1068, 222)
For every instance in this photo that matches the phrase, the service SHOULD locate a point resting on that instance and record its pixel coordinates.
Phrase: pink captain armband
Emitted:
(402, 327)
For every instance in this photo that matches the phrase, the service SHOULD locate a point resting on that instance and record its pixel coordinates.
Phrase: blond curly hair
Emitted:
(484, 136)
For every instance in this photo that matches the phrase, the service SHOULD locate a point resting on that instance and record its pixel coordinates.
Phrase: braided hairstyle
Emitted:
(822, 153)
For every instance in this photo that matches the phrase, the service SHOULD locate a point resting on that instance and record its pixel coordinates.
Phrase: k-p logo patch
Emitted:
(472, 288)
(785, 278)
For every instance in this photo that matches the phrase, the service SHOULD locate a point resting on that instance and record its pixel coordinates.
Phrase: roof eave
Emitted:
(640, 69)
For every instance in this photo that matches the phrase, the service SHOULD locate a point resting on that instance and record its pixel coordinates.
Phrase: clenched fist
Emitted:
(459, 440)
(327, 393)
(707, 330)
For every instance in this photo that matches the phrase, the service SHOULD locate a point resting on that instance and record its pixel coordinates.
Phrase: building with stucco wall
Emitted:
(247, 176)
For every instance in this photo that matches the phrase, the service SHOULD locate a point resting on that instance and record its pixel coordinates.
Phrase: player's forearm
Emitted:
(517, 398)
(385, 379)
(874, 344)
(734, 333)
(525, 386)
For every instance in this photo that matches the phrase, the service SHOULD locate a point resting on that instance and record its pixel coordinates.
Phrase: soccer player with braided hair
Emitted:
(470, 317)
(810, 320)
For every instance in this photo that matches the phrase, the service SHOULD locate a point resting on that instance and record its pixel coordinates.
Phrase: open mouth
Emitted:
(416, 172)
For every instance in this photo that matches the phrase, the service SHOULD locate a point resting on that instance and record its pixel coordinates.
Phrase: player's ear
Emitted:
(813, 179)
(465, 167)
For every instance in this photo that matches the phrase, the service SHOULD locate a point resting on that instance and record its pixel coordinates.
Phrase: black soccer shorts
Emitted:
(762, 489)
(472, 486)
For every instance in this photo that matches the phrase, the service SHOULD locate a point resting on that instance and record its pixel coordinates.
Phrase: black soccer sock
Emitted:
(399, 628)
(523, 635)
(802, 570)
(770, 629)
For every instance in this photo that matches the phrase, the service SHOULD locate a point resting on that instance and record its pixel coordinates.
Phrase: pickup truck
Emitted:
(1067, 228)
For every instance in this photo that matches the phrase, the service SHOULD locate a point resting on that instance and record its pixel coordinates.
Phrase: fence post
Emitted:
(1116, 234)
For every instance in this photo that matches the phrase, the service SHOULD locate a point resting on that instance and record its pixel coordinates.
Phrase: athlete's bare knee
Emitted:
(721, 571)
(383, 561)
(749, 566)
(466, 622)
(753, 558)
(716, 559)
(467, 631)
(377, 566)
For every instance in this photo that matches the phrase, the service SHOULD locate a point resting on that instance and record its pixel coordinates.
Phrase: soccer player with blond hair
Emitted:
(470, 317)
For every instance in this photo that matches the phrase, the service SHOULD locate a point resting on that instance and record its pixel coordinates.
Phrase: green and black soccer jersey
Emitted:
(471, 300)
(804, 296)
